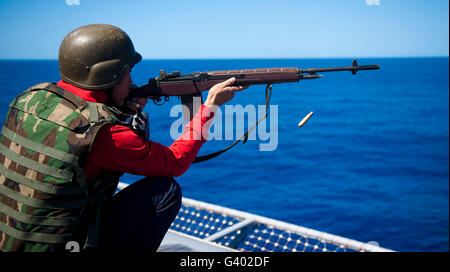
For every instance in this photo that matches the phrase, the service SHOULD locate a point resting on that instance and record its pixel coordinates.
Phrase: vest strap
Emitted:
(41, 186)
(34, 165)
(35, 236)
(93, 112)
(38, 220)
(41, 203)
(74, 99)
(38, 147)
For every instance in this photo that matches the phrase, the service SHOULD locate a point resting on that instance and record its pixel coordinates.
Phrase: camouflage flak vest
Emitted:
(44, 197)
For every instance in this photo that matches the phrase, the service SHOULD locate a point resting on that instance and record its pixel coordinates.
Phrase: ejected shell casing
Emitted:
(304, 120)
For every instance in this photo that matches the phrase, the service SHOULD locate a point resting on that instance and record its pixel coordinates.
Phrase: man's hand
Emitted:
(222, 92)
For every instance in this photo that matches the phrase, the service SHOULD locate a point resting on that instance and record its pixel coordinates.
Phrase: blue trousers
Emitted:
(138, 217)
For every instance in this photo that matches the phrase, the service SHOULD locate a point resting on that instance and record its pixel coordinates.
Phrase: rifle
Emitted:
(189, 86)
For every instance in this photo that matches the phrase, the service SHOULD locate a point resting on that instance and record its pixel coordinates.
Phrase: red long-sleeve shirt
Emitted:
(117, 147)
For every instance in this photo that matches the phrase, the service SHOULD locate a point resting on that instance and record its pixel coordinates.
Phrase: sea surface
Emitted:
(372, 164)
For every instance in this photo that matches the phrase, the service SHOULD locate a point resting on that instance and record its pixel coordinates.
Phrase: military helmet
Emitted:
(96, 56)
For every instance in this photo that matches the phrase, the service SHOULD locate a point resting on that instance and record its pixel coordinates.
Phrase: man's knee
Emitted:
(172, 189)
(177, 192)
(172, 184)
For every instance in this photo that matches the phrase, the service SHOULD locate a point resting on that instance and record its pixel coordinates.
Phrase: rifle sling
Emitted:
(244, 137)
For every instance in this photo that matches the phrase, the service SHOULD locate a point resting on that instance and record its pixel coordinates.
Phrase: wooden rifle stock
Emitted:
(175, 84)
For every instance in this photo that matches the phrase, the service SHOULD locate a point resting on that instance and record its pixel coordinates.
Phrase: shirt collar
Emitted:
(97, 96)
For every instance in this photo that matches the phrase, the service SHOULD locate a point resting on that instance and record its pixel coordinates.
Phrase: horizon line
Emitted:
(250, 58)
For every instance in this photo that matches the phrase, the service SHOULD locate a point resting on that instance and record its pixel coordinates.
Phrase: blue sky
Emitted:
(235, 29)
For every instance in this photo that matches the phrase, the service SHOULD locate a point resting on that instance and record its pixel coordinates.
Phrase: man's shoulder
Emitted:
(115, 136)
(118, 131)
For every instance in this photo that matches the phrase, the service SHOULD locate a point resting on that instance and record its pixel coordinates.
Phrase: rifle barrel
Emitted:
(347, 68)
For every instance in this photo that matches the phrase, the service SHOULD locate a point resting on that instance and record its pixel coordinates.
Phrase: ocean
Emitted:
(372, 164)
